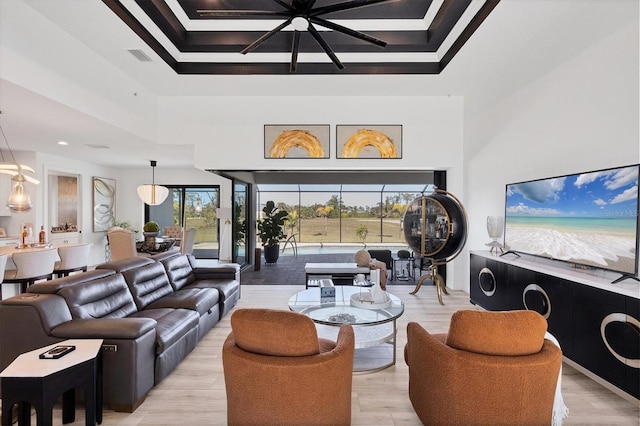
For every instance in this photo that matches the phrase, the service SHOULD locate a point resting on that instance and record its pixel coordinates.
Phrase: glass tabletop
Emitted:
(339, 310)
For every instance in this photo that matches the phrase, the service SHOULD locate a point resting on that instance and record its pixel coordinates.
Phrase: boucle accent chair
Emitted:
(491, 368)
(277, 371)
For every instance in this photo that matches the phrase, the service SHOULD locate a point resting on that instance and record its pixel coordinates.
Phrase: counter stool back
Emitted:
(31, 266)
(72, 258)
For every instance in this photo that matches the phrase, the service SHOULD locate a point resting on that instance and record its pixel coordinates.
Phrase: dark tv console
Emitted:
(595, 321)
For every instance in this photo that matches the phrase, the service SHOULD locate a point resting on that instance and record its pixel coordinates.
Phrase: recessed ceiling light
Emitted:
(63, 143)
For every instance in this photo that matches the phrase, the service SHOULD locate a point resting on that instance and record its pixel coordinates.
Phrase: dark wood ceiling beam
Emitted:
(407, 9)
(482, 14)
(164, 18)
(141, 31)
(398, 41)
(444, 21)
(234, 41)
(307, 68)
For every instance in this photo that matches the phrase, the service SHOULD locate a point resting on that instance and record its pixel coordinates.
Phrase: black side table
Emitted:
(29, 380)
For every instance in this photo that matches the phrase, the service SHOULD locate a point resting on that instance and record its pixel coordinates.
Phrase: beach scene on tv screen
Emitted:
(587, 218)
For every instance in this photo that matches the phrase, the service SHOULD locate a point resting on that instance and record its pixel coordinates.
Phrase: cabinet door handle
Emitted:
(624, 318)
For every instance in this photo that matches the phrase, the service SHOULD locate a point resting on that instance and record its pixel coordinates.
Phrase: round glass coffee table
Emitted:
(374, 327)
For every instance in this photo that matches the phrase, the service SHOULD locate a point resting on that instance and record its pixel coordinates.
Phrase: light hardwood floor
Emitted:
(194, 394)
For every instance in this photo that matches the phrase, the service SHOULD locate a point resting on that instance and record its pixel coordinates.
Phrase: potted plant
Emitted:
(151, 230)
(271, 231)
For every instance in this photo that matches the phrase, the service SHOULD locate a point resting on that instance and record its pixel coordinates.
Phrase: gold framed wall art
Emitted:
(296, 141)
(364, 141)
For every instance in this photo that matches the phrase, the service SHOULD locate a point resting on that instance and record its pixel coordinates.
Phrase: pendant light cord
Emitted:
(8, 147)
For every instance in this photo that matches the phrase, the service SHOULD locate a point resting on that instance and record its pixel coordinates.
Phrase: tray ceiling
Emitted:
(208, 36)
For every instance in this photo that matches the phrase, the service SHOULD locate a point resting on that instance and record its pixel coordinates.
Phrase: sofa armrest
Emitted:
(105, 328)
(51, 310)
(26, 321)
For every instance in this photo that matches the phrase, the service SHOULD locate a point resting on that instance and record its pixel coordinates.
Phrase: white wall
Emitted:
(580, 116)
(229, 131)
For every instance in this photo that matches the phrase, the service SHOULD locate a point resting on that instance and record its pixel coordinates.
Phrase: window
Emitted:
(352, 214)
(192, 207)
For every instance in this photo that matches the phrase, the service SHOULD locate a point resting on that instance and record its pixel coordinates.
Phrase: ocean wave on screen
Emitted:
(595, 248)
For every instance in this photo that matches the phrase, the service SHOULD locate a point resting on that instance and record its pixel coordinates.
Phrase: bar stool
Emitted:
(72, 258)
(31, 266)
(404, 261)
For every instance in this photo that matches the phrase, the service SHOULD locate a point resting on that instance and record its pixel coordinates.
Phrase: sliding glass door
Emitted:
(192, 207)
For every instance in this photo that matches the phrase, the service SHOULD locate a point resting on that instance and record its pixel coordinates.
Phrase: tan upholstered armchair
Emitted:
(173, 231)
(122, 243)
(491, 368)
(277, 371)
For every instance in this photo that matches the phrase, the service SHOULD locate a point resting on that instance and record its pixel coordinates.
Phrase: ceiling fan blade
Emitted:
(348, 31)
(295, 45)
(262, 39)
(346, 5)
(325, 46)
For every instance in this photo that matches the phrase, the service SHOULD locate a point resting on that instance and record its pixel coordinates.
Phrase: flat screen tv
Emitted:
(589, 219)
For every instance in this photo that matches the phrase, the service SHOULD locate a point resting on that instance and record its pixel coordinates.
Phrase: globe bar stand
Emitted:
(437, 279)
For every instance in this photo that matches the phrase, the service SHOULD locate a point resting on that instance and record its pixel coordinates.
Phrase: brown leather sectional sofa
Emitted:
(150, 312)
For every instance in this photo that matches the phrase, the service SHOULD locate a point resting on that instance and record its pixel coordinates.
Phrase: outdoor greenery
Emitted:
(334, 221)
(362, 232)
(271, 226)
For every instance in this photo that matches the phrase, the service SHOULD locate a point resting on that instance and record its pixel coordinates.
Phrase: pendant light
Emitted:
(19, 201)
(153, 194)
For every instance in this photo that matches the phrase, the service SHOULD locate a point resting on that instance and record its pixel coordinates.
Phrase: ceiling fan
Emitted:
(302, 15)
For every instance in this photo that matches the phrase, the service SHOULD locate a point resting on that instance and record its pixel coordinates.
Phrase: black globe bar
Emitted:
(435, 226)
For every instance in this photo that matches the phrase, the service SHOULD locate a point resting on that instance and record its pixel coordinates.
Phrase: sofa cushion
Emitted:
(148, 283)
(172, 324)
(179, 271)
(201, 300)
(226, 287)
(274, 332)
(107, 297)
(497, 333)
